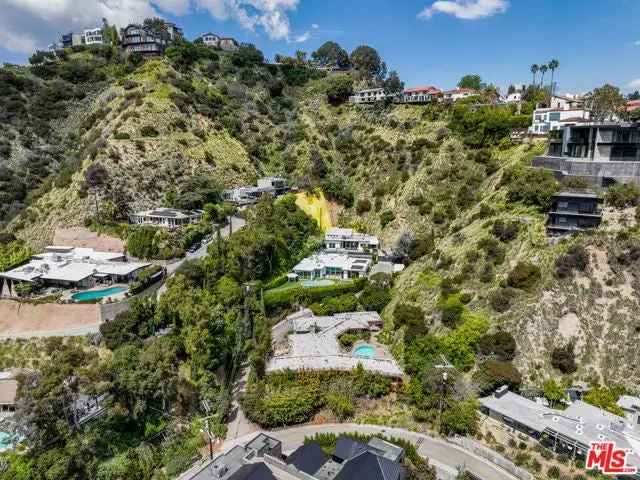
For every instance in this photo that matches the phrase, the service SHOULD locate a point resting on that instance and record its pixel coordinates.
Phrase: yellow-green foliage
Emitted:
(316, 206)
(13, 253)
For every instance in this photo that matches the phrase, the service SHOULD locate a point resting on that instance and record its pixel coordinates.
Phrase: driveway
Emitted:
(447, 458)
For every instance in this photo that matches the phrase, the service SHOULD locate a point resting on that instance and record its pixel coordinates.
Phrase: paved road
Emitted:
(447, 458)
(235, 224)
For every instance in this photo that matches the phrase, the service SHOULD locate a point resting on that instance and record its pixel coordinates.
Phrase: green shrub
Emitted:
(501, 344)
(281, 297)
(386, 218)
(553, 472)
(149, 131)
(501, 299)
(622, 195)
(412, 317)
(452, 309)
(341, 405)
(363, 206)
(576, 258)
(530, 186)
(375, 298)
(492, 374)
(505, 231)
(121, 136)
(524, 276)
(564, 359)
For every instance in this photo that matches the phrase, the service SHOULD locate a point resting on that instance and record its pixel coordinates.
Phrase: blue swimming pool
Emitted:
(8, 440)
(96, 294)
(365, 351)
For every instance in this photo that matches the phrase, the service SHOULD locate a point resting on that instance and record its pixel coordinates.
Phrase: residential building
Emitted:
(350, 460)
(458, 94)
(346, 240)
(573, 212)
(600, 152)
(570, 431)
(514, 97)
(92, 36)
(339, 266)
(71, 267)
(547, 120)
(8, 394)
(419, 95)
(631, 407)
(372, 95)
(265, 186)
(209, 39)
(632, 106)
(166, 217)
(147, 41)
(228, 44)
(567, 102)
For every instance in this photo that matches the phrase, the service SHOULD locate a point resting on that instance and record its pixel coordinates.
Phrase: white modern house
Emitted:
(246, 195)
(93, 36)
(567, 102)
(514, 97)
(166, 217)
(547, 120)
(346, 240)
(209, 39)
(72, 267)
(458, 94)
(339, 266)
(371, 95)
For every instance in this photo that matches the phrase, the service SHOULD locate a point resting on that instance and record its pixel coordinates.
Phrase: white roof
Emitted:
(71, 264)
(169, 213)
(350, 235)
(628, 402)
(342, 261)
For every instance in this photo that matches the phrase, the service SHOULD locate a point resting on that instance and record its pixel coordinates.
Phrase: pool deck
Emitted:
(315, 345)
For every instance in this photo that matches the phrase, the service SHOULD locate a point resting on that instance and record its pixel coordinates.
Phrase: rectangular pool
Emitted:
(96, 294)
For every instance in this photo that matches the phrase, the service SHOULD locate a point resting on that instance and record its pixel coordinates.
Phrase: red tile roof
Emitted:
(430, 89)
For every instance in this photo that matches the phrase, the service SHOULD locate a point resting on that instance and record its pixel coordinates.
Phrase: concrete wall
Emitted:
(623, 172)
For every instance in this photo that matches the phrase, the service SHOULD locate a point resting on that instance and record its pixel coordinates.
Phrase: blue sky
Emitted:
(596, 41)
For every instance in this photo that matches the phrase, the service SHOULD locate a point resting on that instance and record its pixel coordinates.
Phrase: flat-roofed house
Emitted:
(333, 265)
(349, 241)
(458, 94)
(166, 217)
(209, 39)
(246, 195)
(371, 95)
(8, 393)
(73, 267)
(92, 36)
(573, 212)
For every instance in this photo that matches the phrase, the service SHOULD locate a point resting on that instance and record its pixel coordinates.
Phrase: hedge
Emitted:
(275, 298)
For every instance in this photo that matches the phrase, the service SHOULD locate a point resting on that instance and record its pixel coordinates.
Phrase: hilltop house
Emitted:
(371, 95)
(166, 217)
(147, 41)
(262, 459)
(547, 120)
(347, 241)
(332, 265)
(93, 36)
(71, 267)
(574, 212)
(458, 94)
(419, 95)
(265, 186)
(210, 39)
(601, 152)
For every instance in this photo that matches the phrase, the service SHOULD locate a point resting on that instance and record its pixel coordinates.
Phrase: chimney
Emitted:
(502, 391)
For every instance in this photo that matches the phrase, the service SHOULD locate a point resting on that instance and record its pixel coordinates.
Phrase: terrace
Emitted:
(307, 342)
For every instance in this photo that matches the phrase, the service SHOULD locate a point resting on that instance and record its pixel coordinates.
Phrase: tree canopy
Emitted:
(332, 54)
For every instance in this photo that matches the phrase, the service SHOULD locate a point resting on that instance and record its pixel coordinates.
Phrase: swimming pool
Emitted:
(8, 440)
(96, 294)
(365, 351)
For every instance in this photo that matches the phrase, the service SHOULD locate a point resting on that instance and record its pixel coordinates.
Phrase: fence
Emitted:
(490, 455)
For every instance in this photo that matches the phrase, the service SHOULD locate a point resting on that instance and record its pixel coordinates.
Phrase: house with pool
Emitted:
(72, 268)
(304, 341)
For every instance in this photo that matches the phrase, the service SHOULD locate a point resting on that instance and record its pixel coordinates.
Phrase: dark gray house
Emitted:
(601, 152)
(574, 212)
(148, 41)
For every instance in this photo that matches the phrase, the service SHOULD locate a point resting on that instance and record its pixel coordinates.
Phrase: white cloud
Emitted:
(635, 83)
(637, 43)
(315, 26)
(465, 9)
(270, 15)
(301, 38)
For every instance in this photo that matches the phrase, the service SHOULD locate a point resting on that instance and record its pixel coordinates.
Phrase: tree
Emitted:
(543, 71)
(534, 70)
(411, 316)
(564, 359)
(492, 374)
(339, 89)
(96, 176)
(605, 102)
(393, 84)
(553, 66)
(473, 81)
(367, 60)
(332, 54)
(553, 392)
(634, 96)
(501, 344)
(156, 24)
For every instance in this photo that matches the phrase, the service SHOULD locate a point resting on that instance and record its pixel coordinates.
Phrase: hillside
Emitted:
(165, 131)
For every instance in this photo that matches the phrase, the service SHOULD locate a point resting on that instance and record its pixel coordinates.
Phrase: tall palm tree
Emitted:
(553, 66)
(543, 70)
(534, 70)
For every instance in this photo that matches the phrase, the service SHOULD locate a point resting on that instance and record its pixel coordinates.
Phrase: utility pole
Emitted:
(210, 438)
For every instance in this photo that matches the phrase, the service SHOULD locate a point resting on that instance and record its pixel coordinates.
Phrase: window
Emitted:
(554, 117)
